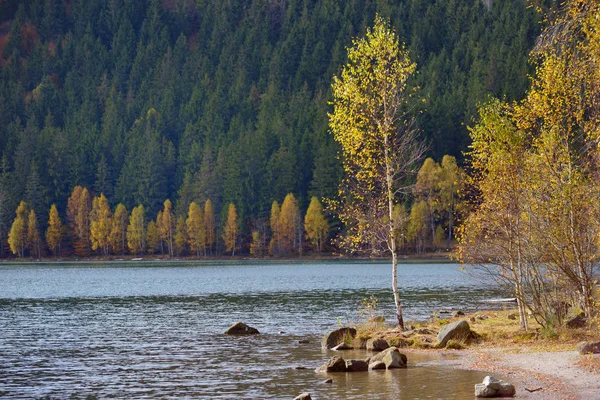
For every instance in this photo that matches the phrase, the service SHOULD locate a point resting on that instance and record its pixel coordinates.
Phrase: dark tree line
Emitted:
(224, 100)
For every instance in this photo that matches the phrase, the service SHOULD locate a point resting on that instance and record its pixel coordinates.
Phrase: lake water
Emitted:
(155, 330)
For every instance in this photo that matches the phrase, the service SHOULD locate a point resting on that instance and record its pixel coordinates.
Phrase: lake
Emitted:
(155, 329)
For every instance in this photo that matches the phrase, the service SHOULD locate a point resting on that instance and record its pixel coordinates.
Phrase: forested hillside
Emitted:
(226, 100)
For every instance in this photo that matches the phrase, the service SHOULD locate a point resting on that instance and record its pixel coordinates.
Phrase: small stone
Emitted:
(513, 316)
(457, 314)
(342, 346)
(299, 367)
(304, 396)
(239, 328)
(304, 341)
(588, 348)
(471, 319)
(335, 364)
(483, 391)
(328, 380)
(482, 317)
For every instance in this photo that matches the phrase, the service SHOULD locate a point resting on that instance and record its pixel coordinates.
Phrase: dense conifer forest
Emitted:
(222, 100)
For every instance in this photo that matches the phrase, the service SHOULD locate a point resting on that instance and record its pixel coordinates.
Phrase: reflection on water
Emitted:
(156, 332)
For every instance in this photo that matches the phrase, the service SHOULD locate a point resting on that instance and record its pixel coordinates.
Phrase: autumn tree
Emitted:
(136, 231)
(34, 239)
(290, 225)
(17, 236)
(166, 225)
(196, 231)
(101, 224)
(230, 233)
(79, 206)
(153, 241)
(55, 231)
(315, 224)
(372, 123)
(449, 182)
(418, 225)
(209, 225)
(275, 244)
(118, 234)
(426, 190)
(180, 241)
(257, 248)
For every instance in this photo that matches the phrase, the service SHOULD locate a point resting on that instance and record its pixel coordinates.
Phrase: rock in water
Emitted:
(304, 396)
(335, 364)
(588, 348)
(336, 337)
(356, 366)
(459, 330)
(239, 328)
(377, 344)
(376, 365)
(391, 357)
(494, 387)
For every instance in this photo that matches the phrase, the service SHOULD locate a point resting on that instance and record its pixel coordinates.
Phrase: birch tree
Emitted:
(371, 121)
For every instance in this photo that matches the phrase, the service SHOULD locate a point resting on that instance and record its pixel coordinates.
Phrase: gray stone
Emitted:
(239, 328)
(457, 314)
(335, 364)
(356, 366)
(491, 382)
(337, 336)
(377, 344)
(459, 330)
(391, 357)
(588, 348)
(376, 365)
(342, 346)
(304, 396)
(506, 390)
(483, 391)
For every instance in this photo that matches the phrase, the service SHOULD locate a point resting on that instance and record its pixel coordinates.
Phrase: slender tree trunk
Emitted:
(450, 220)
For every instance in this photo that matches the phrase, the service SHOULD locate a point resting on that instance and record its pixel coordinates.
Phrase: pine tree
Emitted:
(230, 234)
(55, 232)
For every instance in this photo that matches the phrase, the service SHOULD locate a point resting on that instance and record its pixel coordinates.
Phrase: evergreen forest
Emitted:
(220, 101)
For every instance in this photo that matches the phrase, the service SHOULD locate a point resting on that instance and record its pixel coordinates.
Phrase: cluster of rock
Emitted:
(493, 387)
(387, 359)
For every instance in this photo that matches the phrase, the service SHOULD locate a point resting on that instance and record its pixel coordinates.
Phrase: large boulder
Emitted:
(356, 366)
(239, 328)
(335, 364)
(588, 348)
(459, 330)
(494, 387)
(338, 336)
(377, 344)
(391, 357)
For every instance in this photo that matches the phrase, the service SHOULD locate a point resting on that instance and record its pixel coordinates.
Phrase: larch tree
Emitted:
(196, 231)
(136, 230)
(153, 242)
(275, 244)
(210, 225)
(371, 121)
(101, 224)
(315, 224)
(166, 225)
(55, 231)
(290, 225)
(230, 234)
(17, 236)
(34, 239)
(180, 241)
(118, 234)
(426, 189)
(417, 225)
(79, 208)
(449, 186)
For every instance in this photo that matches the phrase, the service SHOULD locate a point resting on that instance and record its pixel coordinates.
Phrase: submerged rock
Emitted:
(337, 336)
(459, 330)
(239, 328)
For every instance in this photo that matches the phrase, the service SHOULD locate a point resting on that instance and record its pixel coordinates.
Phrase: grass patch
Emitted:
(455, 344)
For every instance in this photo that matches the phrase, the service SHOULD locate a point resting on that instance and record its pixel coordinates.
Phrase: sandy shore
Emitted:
(547, 375)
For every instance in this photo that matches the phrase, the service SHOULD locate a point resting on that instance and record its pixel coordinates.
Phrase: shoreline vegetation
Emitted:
(542, 363)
